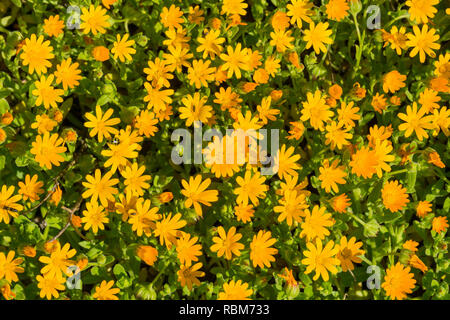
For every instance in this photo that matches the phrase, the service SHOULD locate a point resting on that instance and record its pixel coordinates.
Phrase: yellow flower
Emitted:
(195, 109)
(286, 162)
(261, 250)
(6, 292)
(318, 36)
(337, 135)
(272, 65)
(68, 73)
(99, 187)
(145, 122)
(398, 282)
(280, 21)
(299, 10)
(316, 223)
(148, 254)
(135, 181)
(105, 291)
(442, 66)
(196, 193)
(58, 262)
(316, 110)
(243, 212)
(126, 204)
(101, 124)
(423, 41)
(420, 10)
(265, 112)
(31, 188)
(340, 203)
(428, 99)
(382, 149)
(337, 9)
(235, 60)
(379, 102)
(48, 149)
(393, 81)
(195, 15)
(210, 44)
(439, 224)
(394, 196)
(415, 121)
(100, 53)
(49, 286)
(94, 19)
(120, 153)
(410, 245)
(121, 48)
(297, 130)
(187, 276)
(218, 157)
(415, 262)
(177, 58)
(321, 259)
(349, 252)
(158, 73)
(36, 53)
(167, 229)
(291, 207)
(188, 249)
(157, 99)
(234, 7)
(143, 217)
(172, 17)
(108, 3)
(364, 163)
(235, 290)
(347, 114)
(46, 94)
(330, 176)
(53, 26)
(250, 187)
(9, 267)
(94, 217)
(397, 39)
(227, 243)
(282, 40)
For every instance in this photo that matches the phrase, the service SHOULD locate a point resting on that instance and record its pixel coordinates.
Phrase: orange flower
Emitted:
(435, 159)
(148, 254)
(7, 118)
(29, 251)
(340, 203)
(165, 197)
(100, 53)
(423, 208)
(394, 196)
(439, 224)
(335, 91)
(276, 95)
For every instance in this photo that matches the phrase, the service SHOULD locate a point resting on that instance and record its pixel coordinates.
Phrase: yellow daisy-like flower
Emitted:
(364, 162)
(282, 40)
(8, 204)
(68, 74)
(318, 36)
(105, 291)
(121, 48)
(94, 217)
(101, 124)
(58, 262)
(316, 110)
(394, 196)
(243, 212)
(210, 44)
(316, 222)
(31, 188)
(9, 267)
(143, 217)
(94, 20)
(337, 9)
(286, 162)
(49, 286)
(299, 10)
(330, 176)
(420, 10)
(46, 94)
(235, 290)
(423, 42)
(398, 282)
(321, 259)
(415, 121)
(53, 26)
(135, 182)
(196, 193)
(234, 7)
(157, 98)
(167, 229)
(195, 109)
(261, 250)
(172, 17)
(48, 149)
(36, 53)
(250, 188)
(349, 252)
(337, 135)
(187, 276)
(99, 187)
(235, 60)
(291, 207)
(393, 81)
(428, 99)
(188, 250)
(227, 243)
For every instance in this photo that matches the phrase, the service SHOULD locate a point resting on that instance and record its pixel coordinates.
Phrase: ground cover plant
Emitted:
(94, 206)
